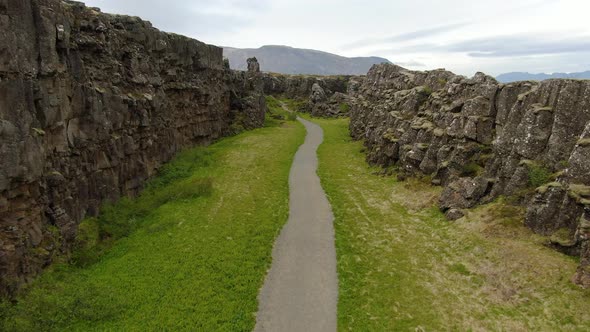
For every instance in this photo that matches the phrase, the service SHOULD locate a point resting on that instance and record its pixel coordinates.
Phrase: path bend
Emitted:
(300, 292)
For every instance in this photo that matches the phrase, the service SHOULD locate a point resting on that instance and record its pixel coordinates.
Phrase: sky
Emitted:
(464, 36)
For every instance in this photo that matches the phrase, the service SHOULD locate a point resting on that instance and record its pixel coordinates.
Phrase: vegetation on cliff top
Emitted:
(189, 254)
(403, 267)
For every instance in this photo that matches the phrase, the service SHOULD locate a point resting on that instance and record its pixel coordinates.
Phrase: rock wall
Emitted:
(90, 106)
(481, 139)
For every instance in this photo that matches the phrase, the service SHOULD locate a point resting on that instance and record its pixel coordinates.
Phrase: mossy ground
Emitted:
(403, 267)
(189, 254)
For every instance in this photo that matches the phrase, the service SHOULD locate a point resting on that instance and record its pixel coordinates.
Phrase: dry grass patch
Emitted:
(403, 267)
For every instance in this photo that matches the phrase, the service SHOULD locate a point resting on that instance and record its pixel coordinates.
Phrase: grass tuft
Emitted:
(459, 268)
(280, 110)
(538, 175)
(344, 107)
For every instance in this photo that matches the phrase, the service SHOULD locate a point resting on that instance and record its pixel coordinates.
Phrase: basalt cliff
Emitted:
(91, 105)
(480, 139)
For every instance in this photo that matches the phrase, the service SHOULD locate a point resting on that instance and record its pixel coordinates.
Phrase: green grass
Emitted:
(472, 170)
(275, 106)
(403, 267)
(189, 254)
(538, 175)
(277, 112)
(344, 107)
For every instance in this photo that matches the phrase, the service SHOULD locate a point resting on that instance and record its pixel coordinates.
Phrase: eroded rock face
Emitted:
(481, 139)
(91, 105)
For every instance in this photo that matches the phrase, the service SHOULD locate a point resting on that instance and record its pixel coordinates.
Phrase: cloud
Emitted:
(501, 46)
(522, 45)
(408, 36)
(464, 36)
(411, 63)
(205, 17)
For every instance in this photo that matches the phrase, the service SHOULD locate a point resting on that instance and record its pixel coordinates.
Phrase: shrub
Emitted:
(344, 107)
(538, 175)
(472, 169)
(426, 91)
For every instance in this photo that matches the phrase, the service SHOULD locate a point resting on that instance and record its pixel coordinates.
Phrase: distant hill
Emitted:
(521, 76)
(289, 60)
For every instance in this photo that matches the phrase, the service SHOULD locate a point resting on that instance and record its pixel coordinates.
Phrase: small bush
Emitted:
(292, 117)
(344, 107)
(426, 91)
(471, 170)
(538, 175)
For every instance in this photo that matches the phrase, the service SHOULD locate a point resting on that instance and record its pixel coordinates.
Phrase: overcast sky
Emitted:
(465, 36)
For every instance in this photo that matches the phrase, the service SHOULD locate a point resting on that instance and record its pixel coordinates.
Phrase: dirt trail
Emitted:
(300, 292)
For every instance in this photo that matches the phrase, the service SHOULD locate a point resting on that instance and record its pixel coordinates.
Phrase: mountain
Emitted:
(289, 60)
(522, 76)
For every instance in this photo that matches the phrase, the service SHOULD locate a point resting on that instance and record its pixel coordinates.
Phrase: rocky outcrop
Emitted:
(91, 105)
(325, 96)
(300, 86)
(253, 65)
(481, 139)
(320, 105)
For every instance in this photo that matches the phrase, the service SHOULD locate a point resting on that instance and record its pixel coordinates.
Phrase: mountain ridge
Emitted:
(526, 76)
(290, 60)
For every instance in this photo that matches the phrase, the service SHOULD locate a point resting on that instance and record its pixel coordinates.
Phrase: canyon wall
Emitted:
(480, 139)
(91, 105)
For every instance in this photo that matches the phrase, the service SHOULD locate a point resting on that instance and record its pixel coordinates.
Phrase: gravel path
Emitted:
(300, 292)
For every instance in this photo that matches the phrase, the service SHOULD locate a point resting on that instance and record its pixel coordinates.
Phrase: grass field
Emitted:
(403, 267)
(189, 254)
